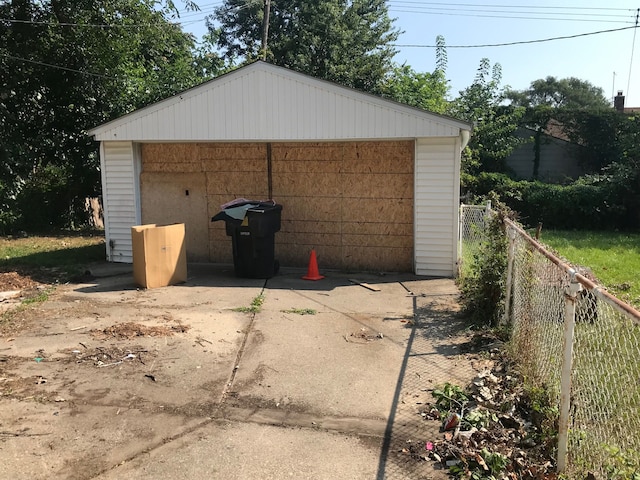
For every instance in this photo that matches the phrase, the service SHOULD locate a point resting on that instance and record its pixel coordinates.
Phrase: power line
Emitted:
(508, 16)
(633, 46)
(60, 67)
(573, 13)
(509, 6)
(523, 42)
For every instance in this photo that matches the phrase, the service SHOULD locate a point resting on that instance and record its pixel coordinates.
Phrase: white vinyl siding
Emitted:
(437, 182)
(119, 163)
(262, 102)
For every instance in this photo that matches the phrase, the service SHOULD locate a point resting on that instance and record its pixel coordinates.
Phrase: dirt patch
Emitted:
(129, 330)
(12, 280)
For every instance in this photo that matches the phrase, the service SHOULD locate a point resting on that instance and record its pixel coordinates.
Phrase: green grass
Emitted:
(50, 258)
(613, 257)
(255, 307)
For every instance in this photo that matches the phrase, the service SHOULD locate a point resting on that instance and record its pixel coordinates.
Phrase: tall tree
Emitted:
(345, 41)
(422, 90)
(481, 104)
(559, 93)
(547, 97)
(69, 65)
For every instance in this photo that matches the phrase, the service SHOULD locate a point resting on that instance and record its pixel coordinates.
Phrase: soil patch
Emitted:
(14, 281)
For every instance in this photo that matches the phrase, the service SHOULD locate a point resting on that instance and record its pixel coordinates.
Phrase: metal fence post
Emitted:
(567, 361)
(511, 253)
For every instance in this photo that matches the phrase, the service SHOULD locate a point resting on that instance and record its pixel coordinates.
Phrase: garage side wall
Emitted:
(120, 166)
(437, 184)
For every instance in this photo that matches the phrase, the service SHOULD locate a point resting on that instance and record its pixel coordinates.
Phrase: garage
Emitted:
(368, 183)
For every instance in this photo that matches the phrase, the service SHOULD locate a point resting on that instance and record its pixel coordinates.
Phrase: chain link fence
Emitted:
(471, 233)
(578, 342)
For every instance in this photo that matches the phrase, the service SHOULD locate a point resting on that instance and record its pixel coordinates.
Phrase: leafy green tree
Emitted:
(546, 98)
(67, 66)
(422, 90)
(559, 93)
(492, 139)
(345, 41)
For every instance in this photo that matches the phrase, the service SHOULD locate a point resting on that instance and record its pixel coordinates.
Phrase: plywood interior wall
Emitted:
(351, 201)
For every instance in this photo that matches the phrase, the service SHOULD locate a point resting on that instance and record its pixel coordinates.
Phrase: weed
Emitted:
(483, 285)
(480, 418)
(485, 466)
(300, 311)
(255, 307)
(42, 296)
(622, 464)
(449, 397)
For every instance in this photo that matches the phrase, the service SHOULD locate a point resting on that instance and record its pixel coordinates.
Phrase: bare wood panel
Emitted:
(220, 251)
(182, 167)
(310, 226)
(378, 157)
(377, 185)
(232, 151)
(178, 198)
(306, 166)
(307, 185)
(372, 240)
(377, 228)
(220, 165)
(378, 258)
(238, 184)
(170, 153)
(388, 210)
(310, 209)
(308, 151)
(327, 239)
(350, 201)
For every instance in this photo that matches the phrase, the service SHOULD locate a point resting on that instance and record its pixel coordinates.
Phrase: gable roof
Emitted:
(264, 102)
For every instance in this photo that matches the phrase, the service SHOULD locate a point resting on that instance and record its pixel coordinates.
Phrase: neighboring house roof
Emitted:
(261, 102)
(631, 109)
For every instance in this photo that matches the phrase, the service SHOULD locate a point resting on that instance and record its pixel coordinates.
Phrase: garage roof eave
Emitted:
(261, 90)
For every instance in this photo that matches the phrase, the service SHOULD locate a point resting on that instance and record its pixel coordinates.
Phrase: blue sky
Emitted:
(477, 22)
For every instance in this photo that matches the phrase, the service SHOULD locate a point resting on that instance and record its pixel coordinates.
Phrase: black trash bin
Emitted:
(253, 241)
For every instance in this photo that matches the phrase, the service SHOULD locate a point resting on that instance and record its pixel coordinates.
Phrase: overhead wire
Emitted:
(523, 42)
(633, 46)
(549, 7)
(247, 5)
(59, 67)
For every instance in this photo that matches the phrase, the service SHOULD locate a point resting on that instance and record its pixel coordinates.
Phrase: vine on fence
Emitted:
(483, 287)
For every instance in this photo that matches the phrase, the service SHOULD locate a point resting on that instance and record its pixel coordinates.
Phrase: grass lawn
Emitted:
(50, 258)
(613, 257)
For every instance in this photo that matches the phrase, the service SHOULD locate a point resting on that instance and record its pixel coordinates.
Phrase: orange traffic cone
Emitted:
(312, 271)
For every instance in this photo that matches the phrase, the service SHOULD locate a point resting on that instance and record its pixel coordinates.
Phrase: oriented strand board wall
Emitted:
(214, 174)
(351, 201)
(235, 170)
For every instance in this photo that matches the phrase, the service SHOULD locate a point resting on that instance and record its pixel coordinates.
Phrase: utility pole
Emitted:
(265, 28)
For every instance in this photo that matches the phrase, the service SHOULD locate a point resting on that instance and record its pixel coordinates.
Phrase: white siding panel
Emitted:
(269, 103)
(120, 197)
(436, 205)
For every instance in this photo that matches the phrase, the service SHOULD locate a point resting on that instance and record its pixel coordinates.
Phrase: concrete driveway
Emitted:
(328, 380)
